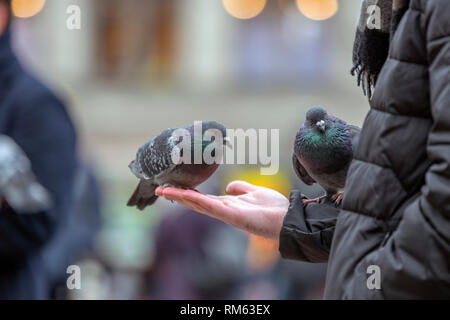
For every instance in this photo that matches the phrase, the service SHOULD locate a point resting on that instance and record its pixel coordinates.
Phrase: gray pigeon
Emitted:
(18, 185)
(323, 150)
(154, 166)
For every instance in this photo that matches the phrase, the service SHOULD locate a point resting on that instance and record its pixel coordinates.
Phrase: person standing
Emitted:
(391, 238)
(38, 122)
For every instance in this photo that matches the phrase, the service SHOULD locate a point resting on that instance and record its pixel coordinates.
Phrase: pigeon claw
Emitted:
(316, 200)
(338, 197)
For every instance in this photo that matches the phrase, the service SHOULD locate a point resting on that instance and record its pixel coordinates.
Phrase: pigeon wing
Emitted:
(301, 172)
(354, 134)
(155, 157)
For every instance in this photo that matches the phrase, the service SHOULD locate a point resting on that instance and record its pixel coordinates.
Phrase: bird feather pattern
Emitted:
(154, 166)
(323, 149)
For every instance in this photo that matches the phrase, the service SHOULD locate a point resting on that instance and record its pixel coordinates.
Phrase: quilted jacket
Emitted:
(391, 237)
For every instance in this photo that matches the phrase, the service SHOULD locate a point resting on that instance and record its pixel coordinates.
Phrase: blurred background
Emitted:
(136, 67)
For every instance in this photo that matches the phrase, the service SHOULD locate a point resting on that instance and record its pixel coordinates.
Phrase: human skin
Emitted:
(247, 207)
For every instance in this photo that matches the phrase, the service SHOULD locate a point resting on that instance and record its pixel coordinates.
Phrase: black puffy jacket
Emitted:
(395, 218)
(38, 122)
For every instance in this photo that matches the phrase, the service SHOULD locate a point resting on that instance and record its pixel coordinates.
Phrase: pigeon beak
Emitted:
(321, 125)
(227, 142)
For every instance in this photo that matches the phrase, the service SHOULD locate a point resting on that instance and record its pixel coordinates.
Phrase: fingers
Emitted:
(159, 191)
(180, 194)
(193, 206)
(210, 205)
(190, 198)
(236, 188)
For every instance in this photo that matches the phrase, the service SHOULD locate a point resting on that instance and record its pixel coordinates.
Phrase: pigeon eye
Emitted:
(310, 121)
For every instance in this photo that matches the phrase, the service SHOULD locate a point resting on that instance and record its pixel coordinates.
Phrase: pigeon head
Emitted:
(214, 127)
(211, 130)
(317, 118)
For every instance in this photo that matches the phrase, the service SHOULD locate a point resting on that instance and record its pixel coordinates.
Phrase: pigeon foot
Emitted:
(338, 197)
(316, 200)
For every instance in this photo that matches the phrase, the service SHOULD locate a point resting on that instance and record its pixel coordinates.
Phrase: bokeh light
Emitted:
(26, 8)
(244, 9)
(318, 9)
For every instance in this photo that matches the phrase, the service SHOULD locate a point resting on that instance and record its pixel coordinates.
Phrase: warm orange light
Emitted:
(26, 8)
(318, 9)
(244, 9)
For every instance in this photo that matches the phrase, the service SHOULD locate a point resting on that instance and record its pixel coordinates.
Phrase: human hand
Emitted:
(247, 207)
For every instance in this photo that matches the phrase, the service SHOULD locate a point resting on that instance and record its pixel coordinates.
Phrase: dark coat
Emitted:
(396, 210)
(38, 122)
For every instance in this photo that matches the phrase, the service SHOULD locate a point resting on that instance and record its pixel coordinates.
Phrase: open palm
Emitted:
(248, 207)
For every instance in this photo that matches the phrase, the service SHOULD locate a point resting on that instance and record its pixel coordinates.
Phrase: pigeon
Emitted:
(323, 150)
(19, 188)
(154, 164)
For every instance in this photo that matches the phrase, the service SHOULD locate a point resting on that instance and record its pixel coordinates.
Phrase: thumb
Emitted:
(236, 188)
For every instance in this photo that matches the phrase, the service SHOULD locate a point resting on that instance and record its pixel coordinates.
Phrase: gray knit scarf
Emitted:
(377, 23)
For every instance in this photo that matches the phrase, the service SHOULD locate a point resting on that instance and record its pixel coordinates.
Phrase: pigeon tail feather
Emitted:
(143, 196)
